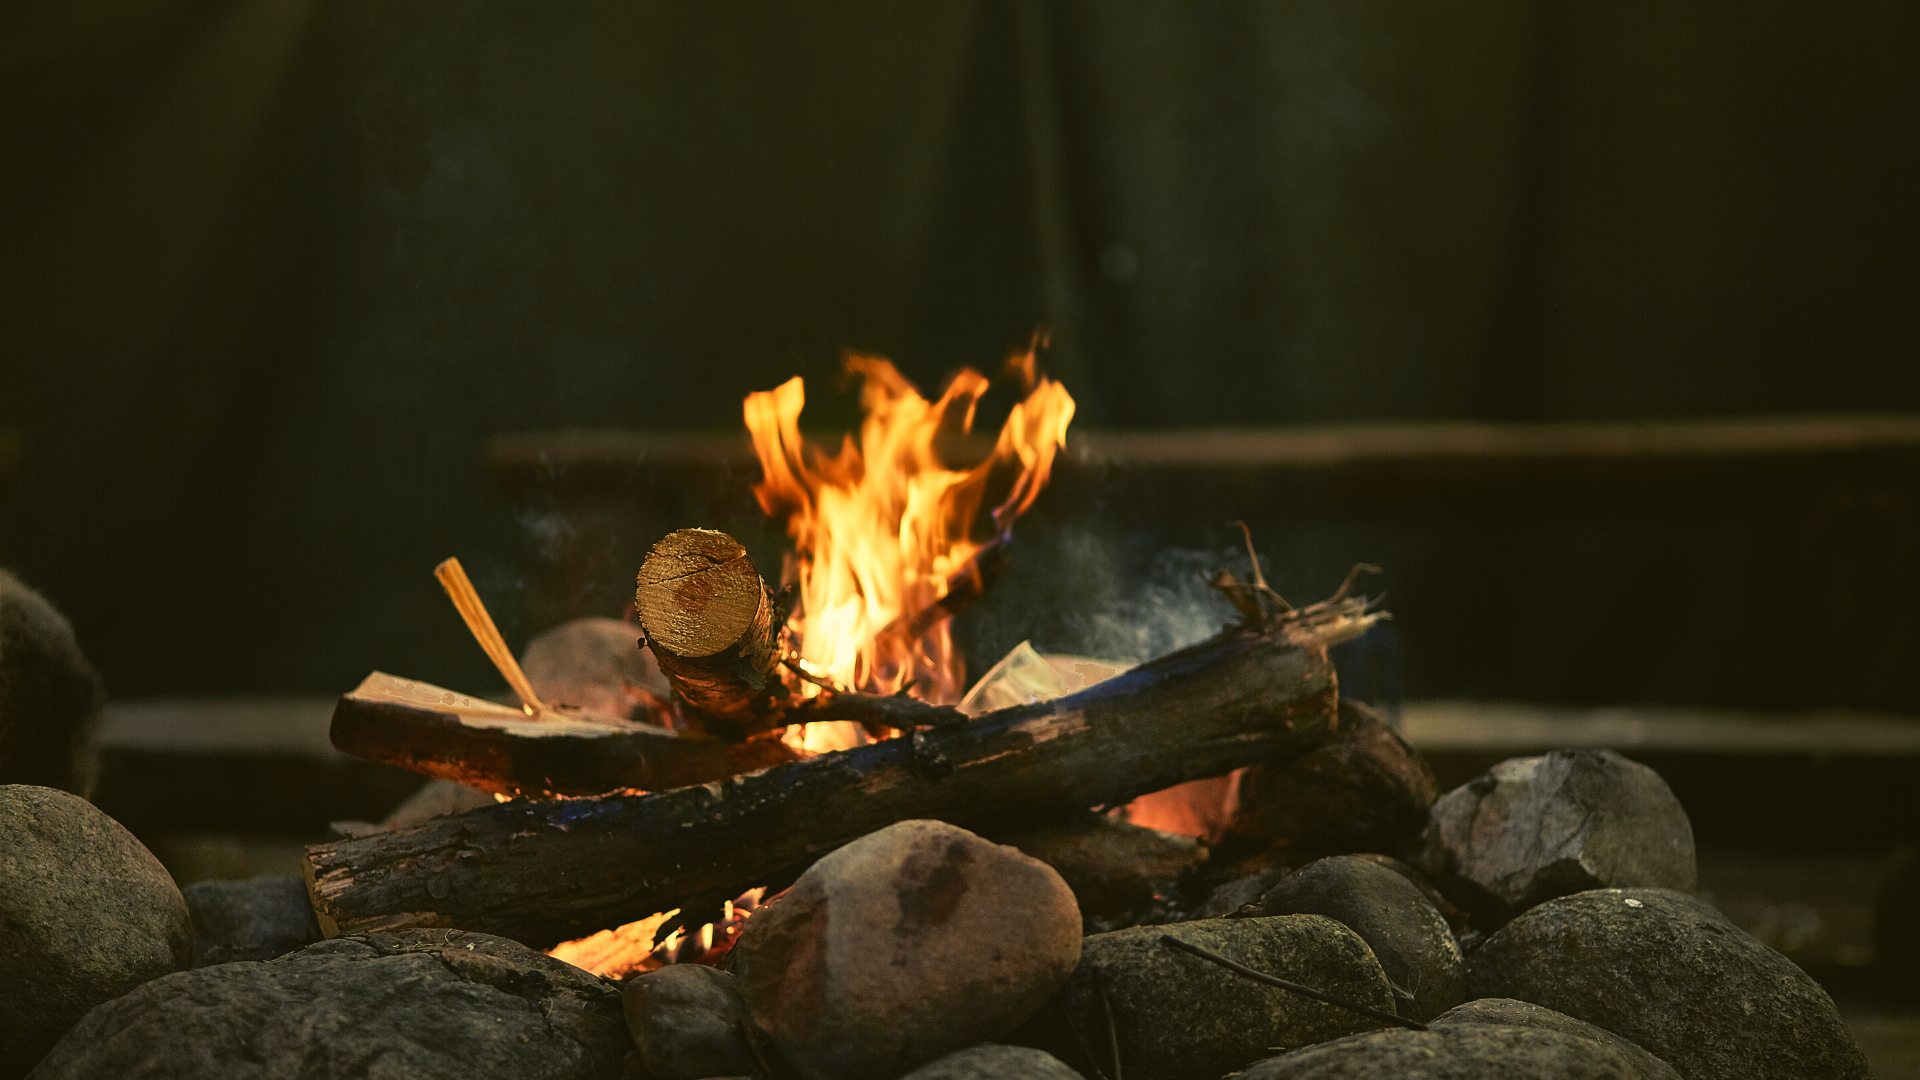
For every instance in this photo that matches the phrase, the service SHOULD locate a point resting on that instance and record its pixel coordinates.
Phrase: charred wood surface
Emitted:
(712, 625)
(542, 872)
(558, 755)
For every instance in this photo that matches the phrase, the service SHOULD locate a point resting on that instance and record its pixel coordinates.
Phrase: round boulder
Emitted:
(1407, 934)
(1177, 1016)
(685, 1020)
(256, 919)
(1539, 827)
(86, 913)
(419, 1004)
(50, 696)
(994, 1062)
(1468, 1052)
(1506, 1012)
(1670, 973)
(907, 944)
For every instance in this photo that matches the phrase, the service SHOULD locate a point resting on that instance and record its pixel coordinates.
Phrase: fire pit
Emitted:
(787, 836)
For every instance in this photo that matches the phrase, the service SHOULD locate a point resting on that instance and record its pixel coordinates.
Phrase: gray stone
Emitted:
(1540, 827)
(594, 664)
(414, 1004)
(1407, 934)
(50, 696)
(1466, 1052)
(1365, 791)
(1507, 1012)
(1180, 1017)
(1238, 895)
(904, 945)
(86, 913)
(995, 1062)
(685, 1019)
(1670, 973)
(256, 919)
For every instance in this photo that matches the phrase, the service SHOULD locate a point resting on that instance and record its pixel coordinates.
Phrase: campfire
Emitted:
(772, 829)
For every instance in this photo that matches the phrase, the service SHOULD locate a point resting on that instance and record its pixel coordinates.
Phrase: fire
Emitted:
(882, 527)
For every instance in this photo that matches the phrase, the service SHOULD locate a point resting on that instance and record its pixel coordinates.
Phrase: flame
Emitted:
(880, 527)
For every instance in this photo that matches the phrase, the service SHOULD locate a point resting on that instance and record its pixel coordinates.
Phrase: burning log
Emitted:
(542, 872)
(713, 626)
(450, 736)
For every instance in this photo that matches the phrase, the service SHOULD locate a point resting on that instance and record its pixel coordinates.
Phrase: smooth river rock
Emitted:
(50, 696)
(86, 914)
(1467, 1052)
(1670, 973)
(1535, 828)
(1407, 934)
(407, 1005)
(1507, 1012)
(256, 919)
(905, 945)
(1177, 1016)
(994, 1062)
(685, 1020)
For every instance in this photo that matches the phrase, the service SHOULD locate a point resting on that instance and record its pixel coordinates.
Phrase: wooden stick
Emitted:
(453, 577)
(542, 872)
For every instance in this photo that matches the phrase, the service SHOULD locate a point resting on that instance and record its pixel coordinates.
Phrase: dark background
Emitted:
(272, 270)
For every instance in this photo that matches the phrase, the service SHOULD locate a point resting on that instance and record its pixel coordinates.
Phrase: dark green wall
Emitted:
(273, 268)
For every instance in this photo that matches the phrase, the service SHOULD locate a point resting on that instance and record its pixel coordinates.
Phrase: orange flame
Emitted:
(881, 527)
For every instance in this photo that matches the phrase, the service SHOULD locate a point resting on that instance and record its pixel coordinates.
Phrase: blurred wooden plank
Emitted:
(1341, 445)
(249, 765)
(1513, 729)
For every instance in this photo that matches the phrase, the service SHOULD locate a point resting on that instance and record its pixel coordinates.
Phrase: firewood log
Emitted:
(711, 623)
(448, 736)
(545, 871)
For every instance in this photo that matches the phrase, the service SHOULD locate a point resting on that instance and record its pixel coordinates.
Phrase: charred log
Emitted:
(541, 872)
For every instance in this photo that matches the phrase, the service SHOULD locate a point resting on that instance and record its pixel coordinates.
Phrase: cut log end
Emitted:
(710, 622)
(698, 593)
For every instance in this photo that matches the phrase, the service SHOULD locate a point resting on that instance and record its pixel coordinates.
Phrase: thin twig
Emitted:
(466, 599)
(1271, 980)
(1113, 1033)
(1339, 597)
(800, 667)
(1067, 1013)
(1259, 579)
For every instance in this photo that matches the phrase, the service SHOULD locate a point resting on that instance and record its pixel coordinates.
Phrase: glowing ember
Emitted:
(881, 527)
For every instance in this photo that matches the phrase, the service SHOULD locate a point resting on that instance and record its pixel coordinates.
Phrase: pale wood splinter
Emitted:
(453, 577)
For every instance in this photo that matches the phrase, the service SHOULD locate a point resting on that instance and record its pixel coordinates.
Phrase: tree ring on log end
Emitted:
(698, 593)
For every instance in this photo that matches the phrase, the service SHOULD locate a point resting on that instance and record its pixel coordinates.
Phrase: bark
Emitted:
(542, 872)
(712, 624)
(496, 748)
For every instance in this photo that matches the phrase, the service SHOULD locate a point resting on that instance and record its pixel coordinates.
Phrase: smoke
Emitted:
(1170, 608)
(1093, 593)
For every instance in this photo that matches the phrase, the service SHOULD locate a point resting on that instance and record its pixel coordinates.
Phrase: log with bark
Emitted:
(542, 872)
(715, 628)
(449, 736)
